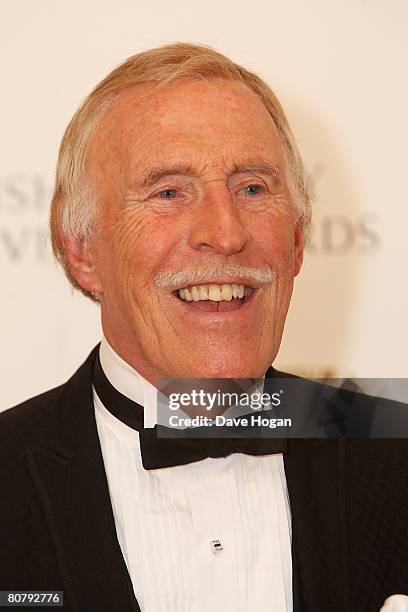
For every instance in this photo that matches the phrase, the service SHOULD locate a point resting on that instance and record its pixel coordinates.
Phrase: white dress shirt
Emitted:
(166, 519)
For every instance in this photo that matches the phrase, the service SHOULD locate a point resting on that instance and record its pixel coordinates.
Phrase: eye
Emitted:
(253, 189)
(167, 194)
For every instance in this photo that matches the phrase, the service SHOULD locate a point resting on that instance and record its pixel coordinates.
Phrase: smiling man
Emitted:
(180, 206)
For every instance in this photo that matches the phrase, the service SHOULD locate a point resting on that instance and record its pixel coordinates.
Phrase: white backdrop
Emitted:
(340, 70)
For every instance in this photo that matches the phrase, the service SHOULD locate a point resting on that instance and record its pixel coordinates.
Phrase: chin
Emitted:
(227, 369)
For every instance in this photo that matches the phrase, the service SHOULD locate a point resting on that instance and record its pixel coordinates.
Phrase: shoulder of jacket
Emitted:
(30, 420)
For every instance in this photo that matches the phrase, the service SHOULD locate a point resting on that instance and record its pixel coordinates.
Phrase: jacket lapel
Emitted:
(71, 483)
(315, 475)
(315, 478)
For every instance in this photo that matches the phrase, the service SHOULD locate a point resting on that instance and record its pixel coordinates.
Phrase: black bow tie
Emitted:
(158, 451)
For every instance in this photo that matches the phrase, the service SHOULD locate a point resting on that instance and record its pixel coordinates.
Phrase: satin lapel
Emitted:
(315, 479)
(71, 483)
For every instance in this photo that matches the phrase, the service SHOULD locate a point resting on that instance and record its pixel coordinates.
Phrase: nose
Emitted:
(217, 225)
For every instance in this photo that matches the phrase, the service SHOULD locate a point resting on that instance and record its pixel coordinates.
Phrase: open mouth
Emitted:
(215, 297)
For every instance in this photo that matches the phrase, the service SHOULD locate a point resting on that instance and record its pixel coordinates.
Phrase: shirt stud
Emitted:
(216, 546)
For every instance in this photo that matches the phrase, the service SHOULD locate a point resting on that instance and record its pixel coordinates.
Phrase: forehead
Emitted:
(219, 120)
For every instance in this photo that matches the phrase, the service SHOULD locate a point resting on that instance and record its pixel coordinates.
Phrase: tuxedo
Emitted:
(348, 502)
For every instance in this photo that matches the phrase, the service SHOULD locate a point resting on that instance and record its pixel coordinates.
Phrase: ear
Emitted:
(81, 263)
(299, 246)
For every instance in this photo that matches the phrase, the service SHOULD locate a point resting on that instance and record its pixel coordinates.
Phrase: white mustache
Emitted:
(212, 273)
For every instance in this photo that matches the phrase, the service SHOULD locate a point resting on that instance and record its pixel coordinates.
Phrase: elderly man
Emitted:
(181, 207)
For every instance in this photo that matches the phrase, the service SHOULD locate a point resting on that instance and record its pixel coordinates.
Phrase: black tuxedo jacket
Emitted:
(349, 504)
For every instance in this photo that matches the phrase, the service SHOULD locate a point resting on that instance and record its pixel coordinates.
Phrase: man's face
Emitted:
(190, 179)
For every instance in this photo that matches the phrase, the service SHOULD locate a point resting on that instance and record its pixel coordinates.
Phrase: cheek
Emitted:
(117, 249)
(275, 239)
(140, 244)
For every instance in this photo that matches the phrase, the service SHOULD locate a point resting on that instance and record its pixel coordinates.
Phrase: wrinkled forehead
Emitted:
(217, 119)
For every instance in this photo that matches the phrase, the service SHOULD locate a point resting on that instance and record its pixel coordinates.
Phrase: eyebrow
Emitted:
(154, 175)
(269, 169)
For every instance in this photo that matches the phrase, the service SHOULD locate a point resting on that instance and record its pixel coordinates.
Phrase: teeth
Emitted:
(226, 292)
(195, 294)
(213, 292)
(203, 292)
